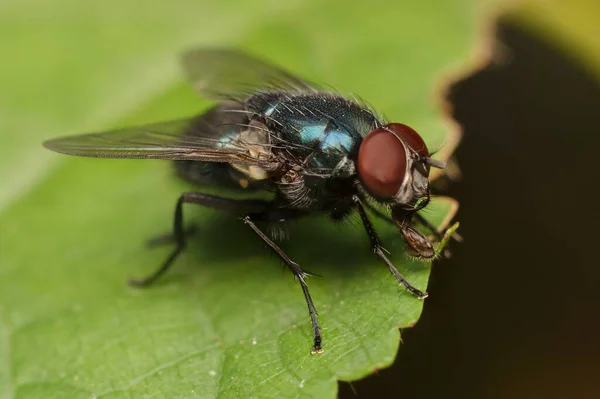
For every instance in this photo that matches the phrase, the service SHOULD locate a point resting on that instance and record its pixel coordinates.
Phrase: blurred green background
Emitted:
(512, 314)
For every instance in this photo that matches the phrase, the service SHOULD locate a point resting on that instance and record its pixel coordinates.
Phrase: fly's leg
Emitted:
(179, 233)
(379, 251)
(298, 273)
(426, 223)
(429, 226)
(442, 238)
(252, 209)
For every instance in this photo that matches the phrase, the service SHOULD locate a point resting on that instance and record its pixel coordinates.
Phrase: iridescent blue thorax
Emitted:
(328, 127)
(324, 130)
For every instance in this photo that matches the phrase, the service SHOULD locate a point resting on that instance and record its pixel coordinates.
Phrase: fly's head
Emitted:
(393, 167)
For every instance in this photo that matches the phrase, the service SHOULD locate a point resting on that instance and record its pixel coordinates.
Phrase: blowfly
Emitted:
(314, 150)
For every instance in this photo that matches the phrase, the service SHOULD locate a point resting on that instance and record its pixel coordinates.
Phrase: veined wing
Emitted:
(167, 140)
(227, 74)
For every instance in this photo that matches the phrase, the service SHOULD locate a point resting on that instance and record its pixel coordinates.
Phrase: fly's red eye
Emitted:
(410, 137)
(382, 163)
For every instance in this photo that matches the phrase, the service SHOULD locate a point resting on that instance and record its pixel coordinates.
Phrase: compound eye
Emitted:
(409, 136)
(382, 163)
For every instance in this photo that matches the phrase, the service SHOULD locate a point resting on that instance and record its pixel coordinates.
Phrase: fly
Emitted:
(315, 150)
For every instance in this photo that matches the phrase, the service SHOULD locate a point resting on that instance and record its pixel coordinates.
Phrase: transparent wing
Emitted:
(174, 140)
(227, 74)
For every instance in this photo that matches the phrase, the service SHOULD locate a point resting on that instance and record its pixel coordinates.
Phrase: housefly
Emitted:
(315, 150)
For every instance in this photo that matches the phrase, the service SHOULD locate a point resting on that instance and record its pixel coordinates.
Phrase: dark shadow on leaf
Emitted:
(321, 246)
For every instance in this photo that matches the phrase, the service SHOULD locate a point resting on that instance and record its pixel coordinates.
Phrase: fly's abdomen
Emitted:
(228, 123)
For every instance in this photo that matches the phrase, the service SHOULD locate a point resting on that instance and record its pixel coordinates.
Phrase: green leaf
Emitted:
(226, 321)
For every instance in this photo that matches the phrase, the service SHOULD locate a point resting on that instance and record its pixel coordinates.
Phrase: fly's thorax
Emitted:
(345, 168)
(317, 135)
(324, 120)
(319, 131)
(292, 186)
(303, 188)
